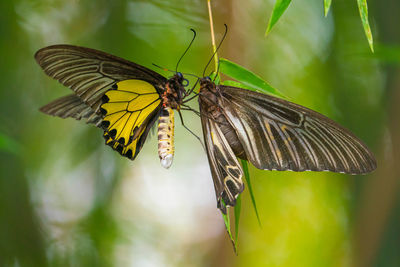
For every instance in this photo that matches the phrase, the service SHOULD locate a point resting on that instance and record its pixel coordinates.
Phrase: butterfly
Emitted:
(123, 98)
(272, 134)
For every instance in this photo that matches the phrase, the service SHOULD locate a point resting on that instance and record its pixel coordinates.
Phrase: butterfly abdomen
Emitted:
(166, 137)
(232, 137)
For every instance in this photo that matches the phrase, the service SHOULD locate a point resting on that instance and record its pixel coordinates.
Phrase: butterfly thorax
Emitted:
(173, 92)
(209, 100)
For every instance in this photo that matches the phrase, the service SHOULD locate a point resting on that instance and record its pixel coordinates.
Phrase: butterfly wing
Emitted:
(226, 171)
(89, 72)
(129, 111)
(280, 135)
(72, 106)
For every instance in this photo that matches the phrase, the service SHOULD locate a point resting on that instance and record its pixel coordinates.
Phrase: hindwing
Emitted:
(72, 106)
(128, 114)
(280, 135)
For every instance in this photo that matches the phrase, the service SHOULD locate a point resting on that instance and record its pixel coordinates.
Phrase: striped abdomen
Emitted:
(166, 137)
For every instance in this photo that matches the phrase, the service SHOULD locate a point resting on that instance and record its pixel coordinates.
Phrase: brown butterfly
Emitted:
(272, 134)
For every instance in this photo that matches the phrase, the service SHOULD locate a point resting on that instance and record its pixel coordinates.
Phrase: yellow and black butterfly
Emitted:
(123, 98)
(273, 134)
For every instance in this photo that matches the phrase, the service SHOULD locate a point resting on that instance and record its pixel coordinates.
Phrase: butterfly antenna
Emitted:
(186, 107)
(164, 69)
(187, 49)
(216, 50)
(184, 73)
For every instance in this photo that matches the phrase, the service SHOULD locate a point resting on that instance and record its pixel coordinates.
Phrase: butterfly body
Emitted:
(171, 98)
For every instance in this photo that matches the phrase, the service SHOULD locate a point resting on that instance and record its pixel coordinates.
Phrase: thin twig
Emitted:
(212, 33)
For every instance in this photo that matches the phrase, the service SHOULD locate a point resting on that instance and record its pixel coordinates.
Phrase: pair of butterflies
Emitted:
(126, 99)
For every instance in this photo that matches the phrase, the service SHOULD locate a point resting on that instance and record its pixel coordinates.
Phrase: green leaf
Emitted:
(8, 144)
(247, 177)
(327, 5)
(237, 210)
(363, 8)
(227, 222)
(251, 80)
(279, 7)
(237, 84)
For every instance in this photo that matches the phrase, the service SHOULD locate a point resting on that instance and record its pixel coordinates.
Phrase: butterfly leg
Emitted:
(183, 124)
(191, 90)
(185, 107)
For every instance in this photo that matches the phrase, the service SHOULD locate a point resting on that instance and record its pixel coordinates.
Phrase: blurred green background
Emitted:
(68, 200)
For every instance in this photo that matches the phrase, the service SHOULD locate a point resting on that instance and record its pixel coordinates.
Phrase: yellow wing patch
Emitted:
(126, 110)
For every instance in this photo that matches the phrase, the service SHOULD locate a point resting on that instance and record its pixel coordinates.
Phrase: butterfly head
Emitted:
(206, 84)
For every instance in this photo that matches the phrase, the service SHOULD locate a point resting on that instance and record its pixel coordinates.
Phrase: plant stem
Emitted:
(212, 34)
